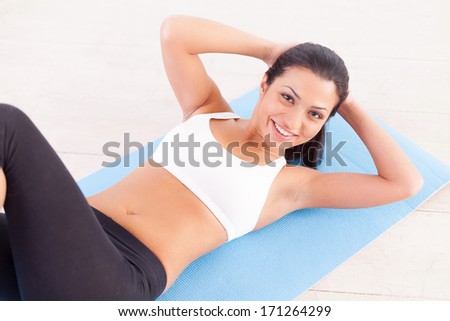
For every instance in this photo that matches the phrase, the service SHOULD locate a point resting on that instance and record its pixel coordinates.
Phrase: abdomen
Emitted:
(164, 215)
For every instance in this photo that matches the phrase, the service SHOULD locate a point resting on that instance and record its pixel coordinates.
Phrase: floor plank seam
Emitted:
(427, 60)
(378, 295)
(409, 111)
(433, 211)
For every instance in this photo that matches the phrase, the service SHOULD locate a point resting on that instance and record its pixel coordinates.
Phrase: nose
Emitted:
(295, 121)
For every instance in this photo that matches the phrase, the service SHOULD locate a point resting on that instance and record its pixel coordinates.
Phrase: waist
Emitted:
(135, 252)
(164, 215)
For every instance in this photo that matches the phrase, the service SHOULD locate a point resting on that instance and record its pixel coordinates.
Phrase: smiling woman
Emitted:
(304, 102)
(132, 240)
(326, 69)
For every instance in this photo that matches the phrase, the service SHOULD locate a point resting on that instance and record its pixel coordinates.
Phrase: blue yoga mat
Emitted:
(284, 259)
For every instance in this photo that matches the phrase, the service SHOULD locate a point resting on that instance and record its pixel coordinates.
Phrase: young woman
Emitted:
(131, 241)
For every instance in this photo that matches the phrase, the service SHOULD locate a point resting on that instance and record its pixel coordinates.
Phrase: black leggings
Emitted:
(59, 247)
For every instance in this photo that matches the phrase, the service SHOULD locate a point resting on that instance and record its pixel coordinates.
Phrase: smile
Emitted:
(281, 130)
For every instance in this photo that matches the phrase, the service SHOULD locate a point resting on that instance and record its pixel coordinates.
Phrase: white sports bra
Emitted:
(234, 190)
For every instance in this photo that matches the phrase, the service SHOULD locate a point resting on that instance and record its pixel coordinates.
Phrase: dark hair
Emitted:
(326, 64)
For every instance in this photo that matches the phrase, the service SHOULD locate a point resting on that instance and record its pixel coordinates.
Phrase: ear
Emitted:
(263, 86)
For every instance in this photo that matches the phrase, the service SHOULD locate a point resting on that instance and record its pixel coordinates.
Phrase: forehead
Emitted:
(309, 86)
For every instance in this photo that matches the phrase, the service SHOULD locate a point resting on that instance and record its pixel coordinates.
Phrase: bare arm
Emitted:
(183, 38)
(397, 177)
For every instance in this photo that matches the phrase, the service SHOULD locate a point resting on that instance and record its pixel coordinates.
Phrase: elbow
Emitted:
(169, 28)
(411, 187)
(166, 28)
(415, 184)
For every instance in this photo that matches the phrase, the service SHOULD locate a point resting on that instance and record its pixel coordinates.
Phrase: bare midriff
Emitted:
(164, 215)
(168, 218)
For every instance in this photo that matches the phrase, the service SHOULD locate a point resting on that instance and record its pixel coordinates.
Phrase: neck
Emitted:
(252, 133)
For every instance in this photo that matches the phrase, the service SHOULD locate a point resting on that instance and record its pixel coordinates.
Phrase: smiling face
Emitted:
(293, 109)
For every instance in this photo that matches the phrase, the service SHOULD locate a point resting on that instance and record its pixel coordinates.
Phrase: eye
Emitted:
(288, 98)
(316, 115)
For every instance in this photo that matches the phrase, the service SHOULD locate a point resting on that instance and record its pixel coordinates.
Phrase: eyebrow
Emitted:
(297, 95)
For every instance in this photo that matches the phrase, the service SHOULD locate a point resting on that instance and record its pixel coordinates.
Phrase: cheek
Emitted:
(271, 105)
(309, 131)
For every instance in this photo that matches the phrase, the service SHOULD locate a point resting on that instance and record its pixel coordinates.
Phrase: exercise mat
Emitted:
(284, 259)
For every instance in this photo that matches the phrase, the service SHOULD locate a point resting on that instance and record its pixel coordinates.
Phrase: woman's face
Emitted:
(293, 109)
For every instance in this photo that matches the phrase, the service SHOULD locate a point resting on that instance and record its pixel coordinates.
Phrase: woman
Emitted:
(131, 241)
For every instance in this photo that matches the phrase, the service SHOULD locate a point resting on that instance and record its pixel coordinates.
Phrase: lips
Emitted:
(281, 130)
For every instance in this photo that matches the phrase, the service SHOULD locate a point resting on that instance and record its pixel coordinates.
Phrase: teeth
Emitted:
(282, 131)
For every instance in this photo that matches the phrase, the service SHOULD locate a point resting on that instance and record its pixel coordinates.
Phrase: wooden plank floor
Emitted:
(89, 71)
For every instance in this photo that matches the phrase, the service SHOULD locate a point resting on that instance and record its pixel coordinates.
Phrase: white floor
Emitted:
(87, 72)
